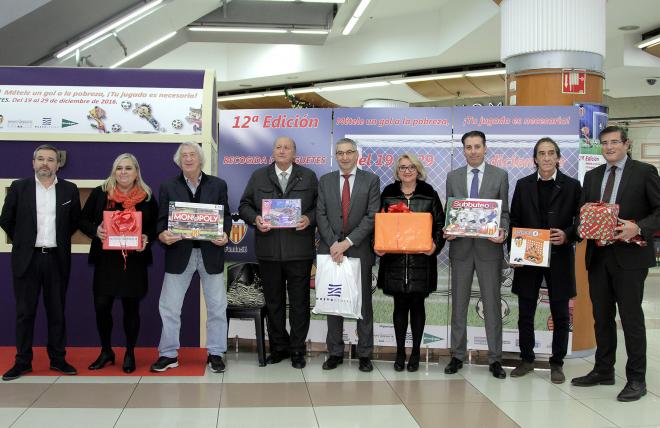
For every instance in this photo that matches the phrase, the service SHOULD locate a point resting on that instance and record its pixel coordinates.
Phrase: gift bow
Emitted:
(123, 222)
(401, 207)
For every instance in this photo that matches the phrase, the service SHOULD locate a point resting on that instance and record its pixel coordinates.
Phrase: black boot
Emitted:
(129, 362)
(106, 356)
(400, 362)
(413, 362)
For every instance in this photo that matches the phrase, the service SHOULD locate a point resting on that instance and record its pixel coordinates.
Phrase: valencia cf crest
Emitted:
(238, 231)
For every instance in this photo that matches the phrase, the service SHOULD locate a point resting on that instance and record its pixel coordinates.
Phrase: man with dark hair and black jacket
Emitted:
(617, 271)
(185, 257)
(285, 255)
(546, 199)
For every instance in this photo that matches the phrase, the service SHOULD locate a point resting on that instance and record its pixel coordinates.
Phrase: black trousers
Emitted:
(610, 285)
(280, 279)
(560, 333)
(43, 273)
(103, 305)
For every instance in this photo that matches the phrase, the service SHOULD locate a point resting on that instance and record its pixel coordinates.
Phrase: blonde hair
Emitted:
(421, 171)
(110, 183)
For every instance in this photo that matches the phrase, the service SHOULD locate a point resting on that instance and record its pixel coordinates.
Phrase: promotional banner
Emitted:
(85, 109)
(382, 135)
(593, 119)
(511, 133)
(101, 104)
(246, 144)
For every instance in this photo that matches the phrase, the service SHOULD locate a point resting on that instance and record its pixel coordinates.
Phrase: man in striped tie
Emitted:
(347, 205)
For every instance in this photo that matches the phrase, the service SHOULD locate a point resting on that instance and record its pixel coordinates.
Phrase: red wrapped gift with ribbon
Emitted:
(598, 221)
(123, 230)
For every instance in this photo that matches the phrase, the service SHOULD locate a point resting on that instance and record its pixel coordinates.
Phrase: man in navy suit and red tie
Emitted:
(617, 272)
(39, 215)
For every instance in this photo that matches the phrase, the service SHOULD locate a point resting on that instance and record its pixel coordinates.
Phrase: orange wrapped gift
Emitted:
(405, 233)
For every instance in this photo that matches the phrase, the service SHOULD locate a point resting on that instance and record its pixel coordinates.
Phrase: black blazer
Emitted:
(92, 217)
(563, 214)
(213, 191)
(639, 200)
(282, 244)
(19, 221)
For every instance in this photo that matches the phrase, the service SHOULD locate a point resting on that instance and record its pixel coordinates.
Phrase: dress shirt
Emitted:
(46, 205)
(470, 174)
(617, 178)
(193, 187)
(554, 176)
(278, 173)
(351, 182)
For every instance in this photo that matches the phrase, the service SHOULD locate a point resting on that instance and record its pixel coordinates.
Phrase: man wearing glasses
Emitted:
(617, 271)
(347, 205)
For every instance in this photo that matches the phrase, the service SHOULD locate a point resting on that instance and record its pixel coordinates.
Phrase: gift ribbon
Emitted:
(123, 222)
(401, 207)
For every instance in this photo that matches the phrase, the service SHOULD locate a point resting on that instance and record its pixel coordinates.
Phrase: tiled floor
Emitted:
(280, 396)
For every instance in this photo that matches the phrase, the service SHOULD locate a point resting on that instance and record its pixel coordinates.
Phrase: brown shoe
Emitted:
(557, 374)
(523, 368)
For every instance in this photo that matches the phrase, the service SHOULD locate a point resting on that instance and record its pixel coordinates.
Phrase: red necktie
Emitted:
(345, 202)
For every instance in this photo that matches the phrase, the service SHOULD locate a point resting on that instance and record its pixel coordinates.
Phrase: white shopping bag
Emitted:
(338, 287)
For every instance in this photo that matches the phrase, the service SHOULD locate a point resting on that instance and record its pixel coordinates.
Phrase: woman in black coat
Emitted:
(410, 278)
(119, 273)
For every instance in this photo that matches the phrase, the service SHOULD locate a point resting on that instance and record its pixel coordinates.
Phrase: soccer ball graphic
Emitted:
(115, 127)
(177, 124)
(126, 105)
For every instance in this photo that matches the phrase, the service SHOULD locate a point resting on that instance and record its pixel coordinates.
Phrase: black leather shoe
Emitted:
(633, 391)
(277, 356)
(298, 360)
(413, 363)
(215, 363)
(332, 362)
(497, 370)
(63, 367)
(593, 378)
(104, 358)
(400, 362)
(365, 364)
(17, 371)
(454, 366)
(129, 363)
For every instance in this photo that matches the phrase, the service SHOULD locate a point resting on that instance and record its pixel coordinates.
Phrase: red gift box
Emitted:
(123, 230)
(406, 233)
(598, 220)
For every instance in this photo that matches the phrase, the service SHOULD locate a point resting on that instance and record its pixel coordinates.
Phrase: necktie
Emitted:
(345, 202)
(474, 187)
(283, 181)
(609, 186)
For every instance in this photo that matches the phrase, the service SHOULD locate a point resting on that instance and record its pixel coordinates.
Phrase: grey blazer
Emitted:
(494, 185)
(365, 203)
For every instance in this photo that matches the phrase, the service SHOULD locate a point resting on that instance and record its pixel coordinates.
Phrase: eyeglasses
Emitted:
(346, 153)
(409, 168)
(610, 142)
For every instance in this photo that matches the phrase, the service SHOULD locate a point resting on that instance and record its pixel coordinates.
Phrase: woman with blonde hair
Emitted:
(119, 273)
(410, 278)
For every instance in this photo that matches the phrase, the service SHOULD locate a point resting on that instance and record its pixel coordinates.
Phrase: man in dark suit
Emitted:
(285, 255)
(617, 272)
(185, 257)
(547, 199)
(348, 202)
(477, 180)
(39, 215)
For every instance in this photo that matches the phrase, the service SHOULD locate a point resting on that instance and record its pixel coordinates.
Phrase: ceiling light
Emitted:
(108, 28)
(650, 42)
(426, 78)
(144, 49)
(309, 31)
(356, 16)
(486, 73)
(309, 1)
(238, 29)
(297, 91)
(240, 97)
(347, 86)
(279, 93)
(629, 28)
